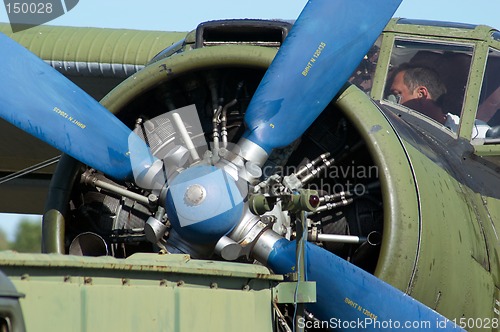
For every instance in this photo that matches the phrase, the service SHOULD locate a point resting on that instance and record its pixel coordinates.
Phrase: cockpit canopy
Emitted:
(464, 59)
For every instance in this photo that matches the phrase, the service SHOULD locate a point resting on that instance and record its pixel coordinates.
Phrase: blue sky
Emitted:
(184, 15)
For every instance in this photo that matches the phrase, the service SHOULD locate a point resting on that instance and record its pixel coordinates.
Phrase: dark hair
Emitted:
(415, 76)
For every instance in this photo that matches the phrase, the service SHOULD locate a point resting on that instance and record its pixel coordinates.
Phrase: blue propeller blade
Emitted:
(350, 298)
(326, 43)
(41, 101)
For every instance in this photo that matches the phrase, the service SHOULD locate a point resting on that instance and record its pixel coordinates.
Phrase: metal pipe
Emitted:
(330, 198)
(309, 166)
(53, 221)
(330, 206)
(223, 129)
(185, 136)
(373, 238)
(215, 125)
(119, 190)
(88, 244)
(53, 228)
(317, 171)
(336, 238)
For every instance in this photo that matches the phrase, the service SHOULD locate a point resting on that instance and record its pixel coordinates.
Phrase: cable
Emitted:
(30, 169)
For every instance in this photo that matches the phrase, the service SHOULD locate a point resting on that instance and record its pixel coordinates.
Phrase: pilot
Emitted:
(419, 88)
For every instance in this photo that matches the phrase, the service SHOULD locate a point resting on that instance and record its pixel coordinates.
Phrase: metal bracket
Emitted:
(295, 292)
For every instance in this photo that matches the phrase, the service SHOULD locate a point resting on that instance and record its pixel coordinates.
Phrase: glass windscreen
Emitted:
(489, 102)
(362, 77)
(430, 77)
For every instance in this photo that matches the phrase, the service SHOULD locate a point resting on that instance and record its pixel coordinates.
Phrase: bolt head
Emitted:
(195, 195)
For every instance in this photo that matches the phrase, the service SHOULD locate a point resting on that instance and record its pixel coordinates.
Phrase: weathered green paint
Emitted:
(452, 262)
(99, 45)
(480, 32)
(295, 292)
(401, 202)
(146, 292)
(179, 64)
(439, 239)
(479, 37)
(458, 252)
(487, 150)
(53, 232)
(384, 60)
(473, 91)
(491, 224)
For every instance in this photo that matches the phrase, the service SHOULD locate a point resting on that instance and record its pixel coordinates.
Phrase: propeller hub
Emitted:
(204, 203)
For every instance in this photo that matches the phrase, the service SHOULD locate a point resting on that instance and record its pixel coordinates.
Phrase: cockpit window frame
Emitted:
(489, 80)
(381, 78)
(483, 148)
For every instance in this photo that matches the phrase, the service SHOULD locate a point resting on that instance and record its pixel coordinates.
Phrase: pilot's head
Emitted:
(416, 83)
